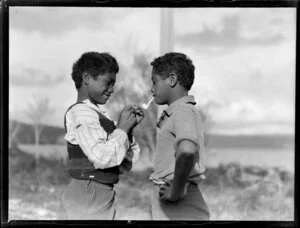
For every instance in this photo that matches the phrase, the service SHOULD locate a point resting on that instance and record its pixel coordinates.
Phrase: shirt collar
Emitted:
(183, 100)
(97, 107)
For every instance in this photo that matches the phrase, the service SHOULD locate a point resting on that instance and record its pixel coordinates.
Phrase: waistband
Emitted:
(190, 186)
(93, 181)
(192, 179)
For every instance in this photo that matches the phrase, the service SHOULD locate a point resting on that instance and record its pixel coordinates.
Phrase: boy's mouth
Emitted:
(107, 95)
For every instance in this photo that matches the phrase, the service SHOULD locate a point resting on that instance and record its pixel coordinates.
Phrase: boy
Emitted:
(179, 159)
(98, 150)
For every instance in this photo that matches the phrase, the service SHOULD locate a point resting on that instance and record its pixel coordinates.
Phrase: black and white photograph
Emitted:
(152, 113)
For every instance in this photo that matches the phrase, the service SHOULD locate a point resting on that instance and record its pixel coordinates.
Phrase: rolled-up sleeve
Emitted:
(132, 156)
(102, 150)
(134, 152)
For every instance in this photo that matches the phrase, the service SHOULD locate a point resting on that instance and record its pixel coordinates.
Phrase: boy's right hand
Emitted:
(167, 191)
(127, 119)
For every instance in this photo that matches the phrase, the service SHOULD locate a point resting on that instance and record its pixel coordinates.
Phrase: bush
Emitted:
(23, 171)
(236, 175)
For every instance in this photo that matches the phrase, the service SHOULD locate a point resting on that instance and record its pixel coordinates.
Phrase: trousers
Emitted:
(191, 207)
(86, 199)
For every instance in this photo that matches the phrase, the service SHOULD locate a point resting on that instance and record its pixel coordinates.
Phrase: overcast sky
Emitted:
(244, 57)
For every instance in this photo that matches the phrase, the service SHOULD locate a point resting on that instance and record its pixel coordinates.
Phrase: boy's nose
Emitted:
(111, 89)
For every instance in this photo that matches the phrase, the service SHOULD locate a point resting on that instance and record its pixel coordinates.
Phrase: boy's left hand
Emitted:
(139, 114)
(126, 165)
(166, 192)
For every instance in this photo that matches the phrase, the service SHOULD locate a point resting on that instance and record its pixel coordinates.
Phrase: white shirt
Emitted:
(84, 129)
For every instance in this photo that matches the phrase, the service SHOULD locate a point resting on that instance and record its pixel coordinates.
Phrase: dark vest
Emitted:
(80, 167)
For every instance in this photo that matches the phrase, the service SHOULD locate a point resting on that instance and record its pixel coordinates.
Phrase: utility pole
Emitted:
(166, 30)
(166, 38)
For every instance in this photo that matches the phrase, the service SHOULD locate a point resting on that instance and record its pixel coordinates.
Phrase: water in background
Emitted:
(265, 157)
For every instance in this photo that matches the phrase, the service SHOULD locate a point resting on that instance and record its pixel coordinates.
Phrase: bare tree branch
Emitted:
(38, 111)
(14, 128)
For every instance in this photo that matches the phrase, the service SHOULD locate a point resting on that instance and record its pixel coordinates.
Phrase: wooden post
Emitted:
(166, 44)
(166, 38)
(166, 30)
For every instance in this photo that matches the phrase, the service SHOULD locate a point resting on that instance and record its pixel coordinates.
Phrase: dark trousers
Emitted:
(191, 207)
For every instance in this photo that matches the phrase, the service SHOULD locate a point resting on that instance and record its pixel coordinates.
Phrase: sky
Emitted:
(244, 58)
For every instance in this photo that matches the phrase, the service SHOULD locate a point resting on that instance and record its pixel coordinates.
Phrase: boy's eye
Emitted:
(109, 83)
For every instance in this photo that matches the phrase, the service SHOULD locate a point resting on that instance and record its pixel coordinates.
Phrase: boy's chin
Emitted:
(103, 102)
(159, 102)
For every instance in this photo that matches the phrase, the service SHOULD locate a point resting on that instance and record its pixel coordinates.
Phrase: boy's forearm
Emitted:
(183, 166)
(130, 136)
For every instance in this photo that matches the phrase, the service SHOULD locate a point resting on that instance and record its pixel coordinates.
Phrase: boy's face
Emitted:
(160, 89)
(100, 88)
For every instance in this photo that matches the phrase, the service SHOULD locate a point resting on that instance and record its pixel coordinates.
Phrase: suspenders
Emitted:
(79, 167)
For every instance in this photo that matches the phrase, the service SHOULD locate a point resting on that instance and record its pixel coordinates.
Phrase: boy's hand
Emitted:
(139, 114)
(166, 192)
(125, 166)
(127, 119)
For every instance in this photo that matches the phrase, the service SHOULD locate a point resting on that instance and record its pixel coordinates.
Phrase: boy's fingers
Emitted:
(138, 107)
(161, 192)
(162, 188)
(128, 108)
(131, 117)
(140, 112)
(168, 182)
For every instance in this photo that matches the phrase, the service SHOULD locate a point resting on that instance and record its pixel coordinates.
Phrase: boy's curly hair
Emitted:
(93, 63)
(177, 63)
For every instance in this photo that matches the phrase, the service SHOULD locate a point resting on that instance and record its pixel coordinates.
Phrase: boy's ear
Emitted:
(173, 79)
(86, 78)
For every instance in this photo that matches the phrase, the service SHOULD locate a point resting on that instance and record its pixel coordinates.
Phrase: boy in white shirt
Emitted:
(99, 151)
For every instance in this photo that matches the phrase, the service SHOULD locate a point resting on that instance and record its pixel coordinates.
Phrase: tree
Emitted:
(14, 128)
(38, 111)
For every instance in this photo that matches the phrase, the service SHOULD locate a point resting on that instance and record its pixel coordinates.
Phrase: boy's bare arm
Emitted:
(185, 155)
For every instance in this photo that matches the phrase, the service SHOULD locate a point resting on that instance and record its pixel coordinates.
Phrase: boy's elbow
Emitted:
(187, 148)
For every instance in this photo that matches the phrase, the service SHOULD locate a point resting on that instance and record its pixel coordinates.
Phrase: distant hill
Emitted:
(251, 141)
(54, 135)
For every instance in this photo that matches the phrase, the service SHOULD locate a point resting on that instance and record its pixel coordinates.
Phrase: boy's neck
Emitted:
(177, 95)
(81, 95)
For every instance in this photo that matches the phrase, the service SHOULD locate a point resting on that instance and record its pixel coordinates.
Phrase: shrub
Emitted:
(23, 171)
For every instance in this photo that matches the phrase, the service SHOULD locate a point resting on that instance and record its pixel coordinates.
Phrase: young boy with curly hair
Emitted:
(179, 162)
(99, 151)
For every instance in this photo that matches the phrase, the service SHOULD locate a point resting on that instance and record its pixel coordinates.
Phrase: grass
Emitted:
(232, 191)
(248, 204)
